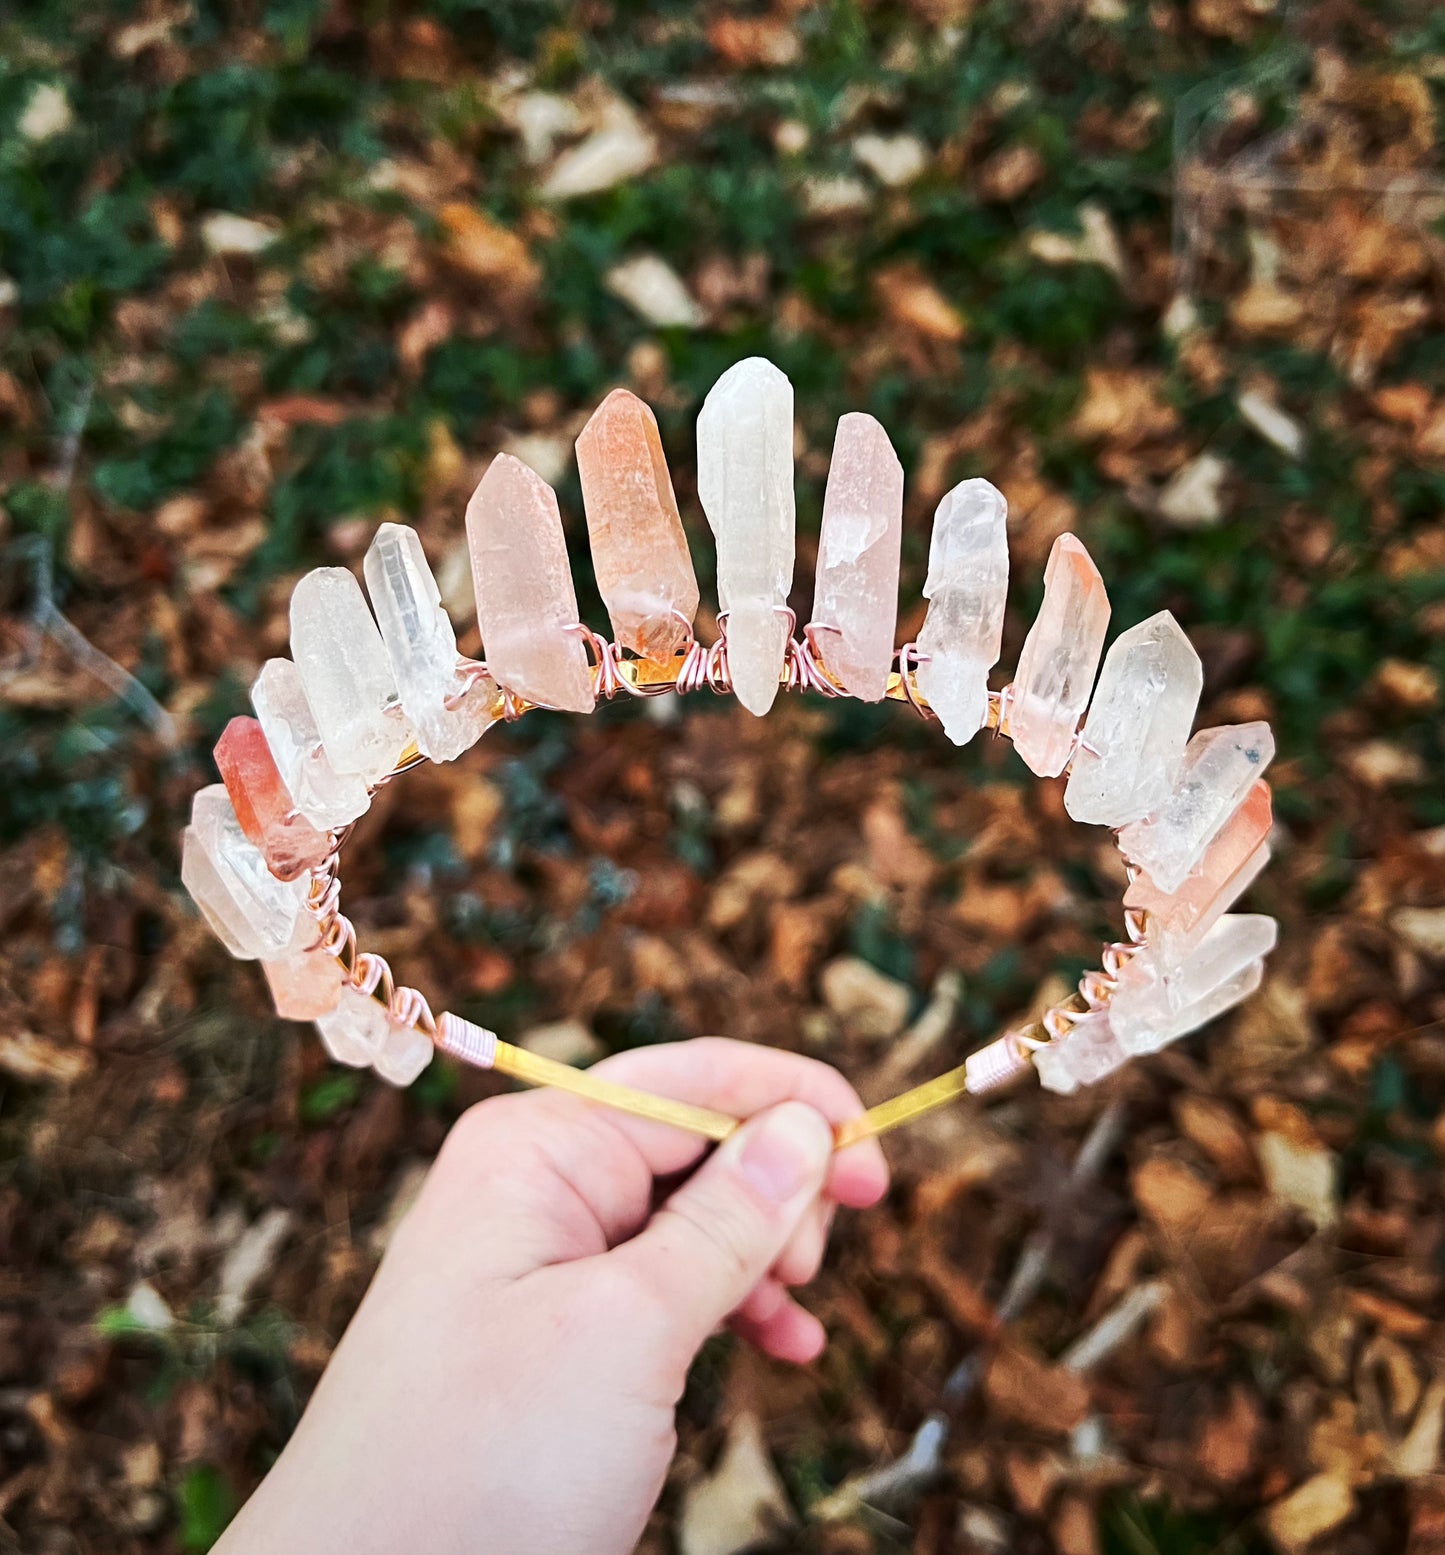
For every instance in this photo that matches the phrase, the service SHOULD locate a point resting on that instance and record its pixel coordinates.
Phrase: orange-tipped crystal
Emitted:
(639, 551)
(1179, 919)
(290, 844)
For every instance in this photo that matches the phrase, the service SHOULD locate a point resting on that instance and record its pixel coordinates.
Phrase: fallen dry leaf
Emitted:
(740, 1504)
(1026, 1389)
(913, 301)
(1309, 1511)
(486, 251)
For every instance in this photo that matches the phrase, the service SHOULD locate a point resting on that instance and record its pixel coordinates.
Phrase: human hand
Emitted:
(510, 1380)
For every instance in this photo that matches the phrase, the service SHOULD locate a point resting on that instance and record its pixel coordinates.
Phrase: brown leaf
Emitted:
(745, 41)
(798, 934)
(1312, 1509)
(750, 880)
(1124, 406)
(1229, 1438)
(29, 1057)
(1029, 1390)
(487, 251)
(1171, 1195)
(912, 301)
(431, 325)
(1213, 1128)
(302, 410)
(866, 1000)
(1076, 1527)
(1010, 173)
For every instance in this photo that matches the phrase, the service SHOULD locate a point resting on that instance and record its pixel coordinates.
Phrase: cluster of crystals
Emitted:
(367, 684)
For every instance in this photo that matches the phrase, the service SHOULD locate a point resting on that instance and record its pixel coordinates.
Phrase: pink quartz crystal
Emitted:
(1230, 863)
(304, 984)
(526, 605)
(263, 804)
(1059, 660)
(639, 551)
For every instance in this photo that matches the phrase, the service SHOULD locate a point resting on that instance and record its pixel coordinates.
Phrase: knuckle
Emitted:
(725, 1228)
(627, 1287)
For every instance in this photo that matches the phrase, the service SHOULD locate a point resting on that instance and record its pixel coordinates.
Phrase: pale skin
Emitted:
(510, 1380)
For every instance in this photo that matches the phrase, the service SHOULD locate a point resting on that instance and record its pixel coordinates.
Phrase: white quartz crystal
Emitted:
(252, 913)
(324, 796)
(1223, 996)
(1220, 767)
(745, 484)
(1137, 726)
(354, 1031)
(1085, 1055)
(422, 646)
(358, 1032)
(403, 1055)
(1157, 1002)
(855, 598)
(347, 675)
(966, 590)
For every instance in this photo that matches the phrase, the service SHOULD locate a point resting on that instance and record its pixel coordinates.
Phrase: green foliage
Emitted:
(152, 470)
(876, 940)
(119, 1322)
(67, 773)
(360, 468)
(1133, 1527)
(330, 1095)
(205, 1504)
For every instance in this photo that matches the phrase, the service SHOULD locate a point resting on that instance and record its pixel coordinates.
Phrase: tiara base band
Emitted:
(370, 696)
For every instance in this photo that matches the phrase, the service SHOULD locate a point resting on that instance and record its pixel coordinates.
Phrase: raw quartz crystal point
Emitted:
(360, 1033)
(745, 483)
(1086, 1054)
(966, 590)
(1138, 722)
(1220, 767)
(855, 601)
(347, 675)
(252, 913)
(1157, 1000)
(639, 551)
(1059, 660)
(422, 647)
(304, 984)
(526, 605)
(327, 798)
(1233, 860)
(263, 804)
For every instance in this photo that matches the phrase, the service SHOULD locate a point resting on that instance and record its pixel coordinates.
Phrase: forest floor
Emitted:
(1172, 276)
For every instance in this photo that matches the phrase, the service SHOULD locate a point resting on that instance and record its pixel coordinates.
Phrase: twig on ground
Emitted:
(896, 1483)
(1117, 1326)
(45, 618)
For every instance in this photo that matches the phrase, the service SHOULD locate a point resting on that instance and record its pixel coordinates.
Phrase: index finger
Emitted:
(742, 1078)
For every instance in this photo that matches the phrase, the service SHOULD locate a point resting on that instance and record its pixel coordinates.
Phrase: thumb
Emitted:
(719, 1234)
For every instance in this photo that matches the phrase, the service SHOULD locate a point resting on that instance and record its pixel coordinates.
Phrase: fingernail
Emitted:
(786, 1152)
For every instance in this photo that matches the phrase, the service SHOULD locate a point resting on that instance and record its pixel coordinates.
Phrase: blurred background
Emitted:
(1172, 276)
